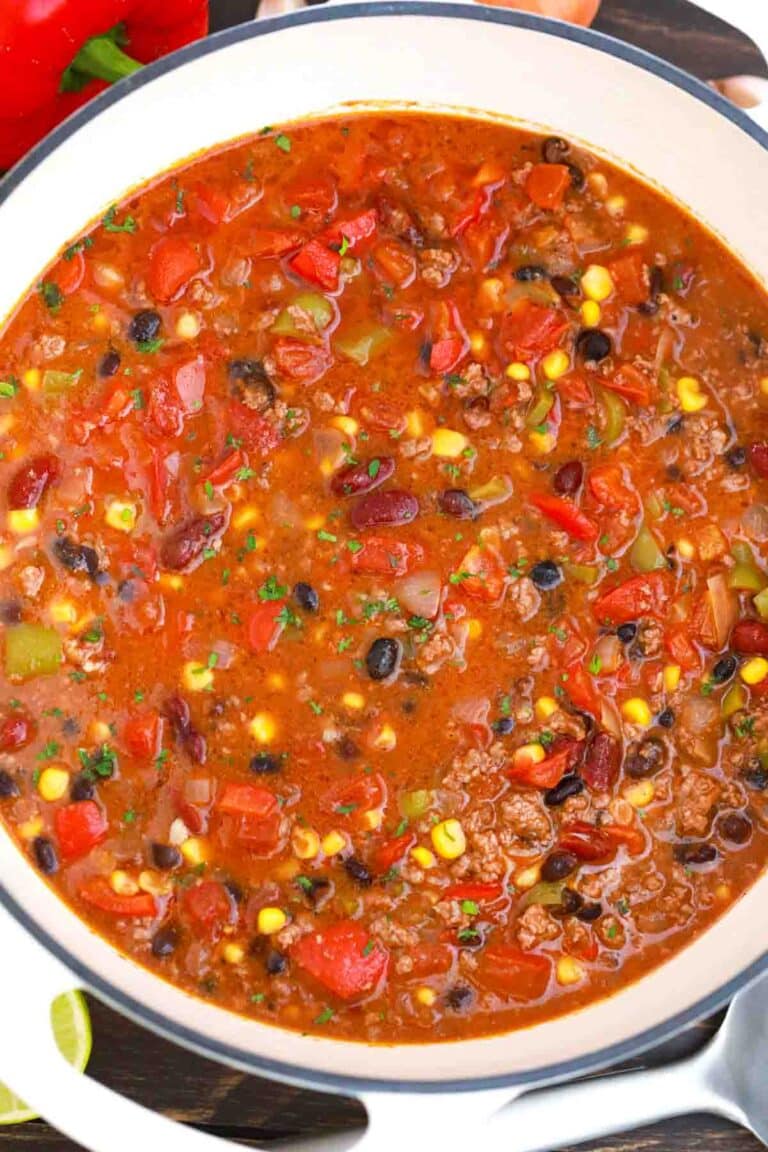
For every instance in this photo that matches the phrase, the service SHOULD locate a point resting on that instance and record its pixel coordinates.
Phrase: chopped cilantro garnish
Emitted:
(50, 749)
(295, 211)
(369, 947)
(324, 1017)
(9, 387)
(344, 246)
(469, 908)
(374, 468)
(245, 474)
(51, 294)
(328, 537)
(283, 142)
(138, 398)
(128, 225)
(354, 546)
(150, 346)
(593, 437)
(595, 664)
(316, 708)
(271, 590)
(459, 577)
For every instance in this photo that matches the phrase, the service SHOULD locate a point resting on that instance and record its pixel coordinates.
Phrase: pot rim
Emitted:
(107, 991)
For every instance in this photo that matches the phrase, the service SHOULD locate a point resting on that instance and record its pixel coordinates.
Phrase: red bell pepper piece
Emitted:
(638, 596)
(547, 773)
(317, 264)
(628, 275)
(630, 383)
(531, 329)
(380, 556)
(264, 243)
(474, 890)
(391, 852)
(299, 361)
(547, 185)
(264, 626)
(227, 469)
(173, 261)
(446, 354)
(481, 202)
(607, 485)
(521, 975)
(566, 515)
(581, 688)
(246, 800)
(481, 574)
(355, 794)
(68, 274)
(682, 649)
(209, 907)
(588, 842)
(142, 734)
(342, 959)
(79, 827)
(164, 410)
(98, 894)
(353, 230)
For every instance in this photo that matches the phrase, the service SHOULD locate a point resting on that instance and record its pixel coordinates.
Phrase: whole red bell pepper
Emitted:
(57, 54)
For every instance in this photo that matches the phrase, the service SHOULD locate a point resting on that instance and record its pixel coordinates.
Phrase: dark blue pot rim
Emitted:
(226, 1053)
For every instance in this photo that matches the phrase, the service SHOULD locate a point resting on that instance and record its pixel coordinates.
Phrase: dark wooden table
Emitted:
(253, 1111)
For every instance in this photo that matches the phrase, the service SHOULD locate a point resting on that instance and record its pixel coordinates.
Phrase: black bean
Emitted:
(626, 632)
(45, 855)
(675, 426)
(409, 707)
(503, 726)
(165, 941)
(383, 657)
(126, 591)
(666, 718)
(145, 326)
(311, 885)
(695, 854)
(347, 749)
(557, 866)
(674, 473)
(165, 856)
(645, 758)
(571, 902)
(577, 176)
(247, 371)
(593, 345)
(109, 363)
(8, 786)
(10, 612)
(458, 503)
(264, 764)
(570, 785)
(306, 597)
(76, 557)
(276, 962)
(358, 871)
(723, 670)
(756, 775)
(528, 272)
(554, 149)
(459, 998)
(650, 306)
(568, 478)
(589, 912)
(736, 457)
(546, 574)
(82, 787)
(735, 827)
(235, 891)
(564, 286)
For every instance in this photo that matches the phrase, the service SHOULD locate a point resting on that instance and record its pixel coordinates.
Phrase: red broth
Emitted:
(384, 589)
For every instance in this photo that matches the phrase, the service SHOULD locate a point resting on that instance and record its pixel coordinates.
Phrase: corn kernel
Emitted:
(327, 467)
(636, 710)
(426, 996)
(764, 385)
(636, 234)
(414, 423)
(528, 754)
(172, 581)
(371, 820)
(448, 443)
(385, 739)
(545, 707)
(640, 795)
(6, 557)
(596, 283)
(518, 371)
(474, 628)
(616, 205)
(448, 839)
(423, 857)
(591, 313)
(277, 682)
(314, 523)
(245, 517)
(195, 851)
(569, 971)
(121, 515)
(196, 677)
(755, 670)
(270, 920)
(685, 548)
(123, 884)
(353, 700)
(23, 521)
(478, 343)
(527, 877)
(53, 783)
(263, 728)
(597, 183)
(346, 424)
(305, 842)
(492, 293)
(188, 326)
(32, 379)
(101, 322)
(30, 828)
(62, 612)
(155, 883)
(233, 953)
(99, 731)
(672, 673)
(555, 364)
(542, 442)
(723, 892)
(690, 395)
(333, 843)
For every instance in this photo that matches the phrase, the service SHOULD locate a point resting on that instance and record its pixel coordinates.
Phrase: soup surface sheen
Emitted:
(384, 577)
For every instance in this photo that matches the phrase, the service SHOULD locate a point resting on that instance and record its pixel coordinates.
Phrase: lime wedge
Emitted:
(72, 1031)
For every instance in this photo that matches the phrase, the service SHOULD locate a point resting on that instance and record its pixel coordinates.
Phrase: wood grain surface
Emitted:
(255, 1112)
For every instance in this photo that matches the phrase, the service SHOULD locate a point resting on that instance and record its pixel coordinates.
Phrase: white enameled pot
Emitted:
(618, 101)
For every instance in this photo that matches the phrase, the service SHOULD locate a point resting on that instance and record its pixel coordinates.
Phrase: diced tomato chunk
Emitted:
(479, 205)
(79, 827)
(474, 890)
(317, 264)
(354, 795)
(750, 638)
(630, 383)
(164, 409)
(531, 329)
(482, 574)
(209, 907)
(246, 800)
(173, 261)
(681, 647)
(644, 595)
(264, 243)
(549, 772)
(69, 273)
(588, 842)
(394, 263)
(392, 851)
(142, 735)
(98, 893)
(354, 229)
(300, 361)
(609, 487)
(629, 276)
(265, 625)
(509, 970)
(343, 959)
(189, 381)
(547, 185)
(316, 197)
(16, 731)
(227, 469)
(257, 432)
(566, 515)
(380, 556)
(445, 354)
(429, 959)
(581, 688)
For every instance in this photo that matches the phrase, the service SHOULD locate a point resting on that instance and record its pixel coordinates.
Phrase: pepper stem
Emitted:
(100, 58)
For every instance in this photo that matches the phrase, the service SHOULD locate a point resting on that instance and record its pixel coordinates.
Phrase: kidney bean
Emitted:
(8, 786)
(15, 732)
(177, 711)
(554, 149)
(196, 747)
(182, 550)
(693, 854)
(750, 638)
(458, 503)
(601, 763)
(645, 758)
(735, 827)
(557, 866)
(393, 507)
(364, 477)
(568, 478)
(28, 485)
(758, 457)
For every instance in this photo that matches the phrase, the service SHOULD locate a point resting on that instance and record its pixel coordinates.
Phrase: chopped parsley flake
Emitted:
(271, 590)
(283, 142)
(128, 225)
